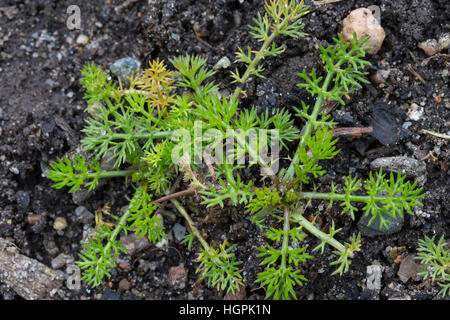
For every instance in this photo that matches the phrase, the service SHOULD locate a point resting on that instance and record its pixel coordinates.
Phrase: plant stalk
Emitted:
(191, 224)
(109, 174)
(285, 244)
(299, 218)
(309, 125)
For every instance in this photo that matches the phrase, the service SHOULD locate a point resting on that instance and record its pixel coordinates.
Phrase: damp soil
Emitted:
(42, 113)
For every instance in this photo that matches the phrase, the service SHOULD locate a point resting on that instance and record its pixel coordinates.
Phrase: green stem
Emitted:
(117, 229)
(335, 196)
(137, 136)
(252, 66)
(191, 224)
(260, 55)
(110, 174)
(285, 244)
(310, 124)
(300, 219)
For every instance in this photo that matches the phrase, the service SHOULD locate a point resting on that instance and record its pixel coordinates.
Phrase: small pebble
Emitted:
(60, 223)
(83, 215)
(23, 199)
(34, 218)
(380, 76)
(364, 24)
(124, 285)
(409, 269)
(82, 40)
(124, 68)
(237, 295)
(133, 245)
(61, 260)
(415, 112)
(444, 40)
(223, 63)
(177, 277)
(124, 265)
(179, 231)
(430, 47)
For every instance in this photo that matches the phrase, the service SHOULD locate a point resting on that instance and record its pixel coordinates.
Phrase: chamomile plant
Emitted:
(172, 125)
(435, 262)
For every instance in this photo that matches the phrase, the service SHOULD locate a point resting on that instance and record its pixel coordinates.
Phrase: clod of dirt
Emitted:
(409, 269)
(23, 199)
(362, 22)
(177, 277)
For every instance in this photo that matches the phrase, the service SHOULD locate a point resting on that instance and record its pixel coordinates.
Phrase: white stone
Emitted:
(415, 112)
(82, 40)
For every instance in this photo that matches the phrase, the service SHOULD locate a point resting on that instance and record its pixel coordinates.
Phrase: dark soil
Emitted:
(42, 112)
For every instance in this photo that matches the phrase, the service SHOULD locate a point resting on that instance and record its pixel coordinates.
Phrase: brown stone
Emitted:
(177, 277)
(362, 22)
(237, 295)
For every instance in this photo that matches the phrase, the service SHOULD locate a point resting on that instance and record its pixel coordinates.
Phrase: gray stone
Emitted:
(409, 269)
(169, 216)
(61, 260)
(124, 285)
(407, 166)
(223, 63)
(374, 273)
(50, 245)
(133, 245)
(123, 68)
(179, 231)
(373, 230)
(23, 199)
(83, 215)
(109, 294)
(81, 195)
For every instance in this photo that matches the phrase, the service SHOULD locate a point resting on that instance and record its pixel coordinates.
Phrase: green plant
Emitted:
(435, 260)
(154, 135)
